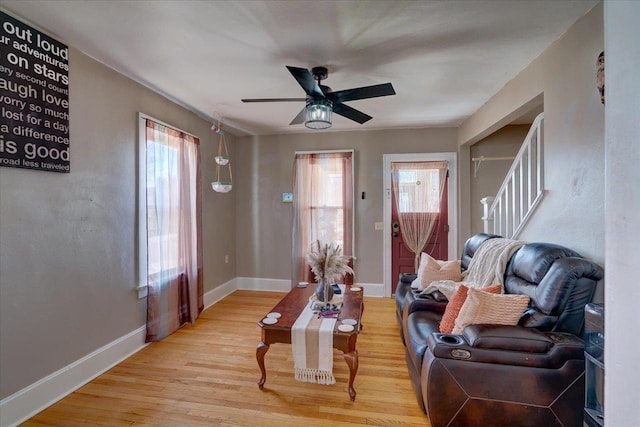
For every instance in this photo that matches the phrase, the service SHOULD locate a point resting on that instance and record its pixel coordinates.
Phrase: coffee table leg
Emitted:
(260, 352)
(352, 361)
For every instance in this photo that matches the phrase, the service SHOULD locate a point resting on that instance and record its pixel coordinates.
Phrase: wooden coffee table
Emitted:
(290, 308)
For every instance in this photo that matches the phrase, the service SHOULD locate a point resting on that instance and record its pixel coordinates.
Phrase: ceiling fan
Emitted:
(320, 100)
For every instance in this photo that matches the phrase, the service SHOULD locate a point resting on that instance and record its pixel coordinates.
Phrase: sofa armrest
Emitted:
(425, 304)
(508, 345)
(407, 277)
(512, 338)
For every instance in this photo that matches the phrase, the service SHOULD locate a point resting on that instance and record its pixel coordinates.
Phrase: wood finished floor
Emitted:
(206, 375)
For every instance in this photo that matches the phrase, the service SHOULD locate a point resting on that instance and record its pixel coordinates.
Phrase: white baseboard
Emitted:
(372, 289)
(218, 293)
(257, 284)
(32, 399)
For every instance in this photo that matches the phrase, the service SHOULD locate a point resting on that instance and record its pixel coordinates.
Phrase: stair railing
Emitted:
(522, 189)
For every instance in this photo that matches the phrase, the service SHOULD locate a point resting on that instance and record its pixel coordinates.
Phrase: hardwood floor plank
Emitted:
(206, 374)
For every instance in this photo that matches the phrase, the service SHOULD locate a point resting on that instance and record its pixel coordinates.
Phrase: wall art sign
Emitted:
(34, 98)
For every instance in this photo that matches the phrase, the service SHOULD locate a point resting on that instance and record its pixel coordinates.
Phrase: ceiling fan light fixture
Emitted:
(318, 113)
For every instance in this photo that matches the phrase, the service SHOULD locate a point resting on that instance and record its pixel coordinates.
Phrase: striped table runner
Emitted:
(312, 346)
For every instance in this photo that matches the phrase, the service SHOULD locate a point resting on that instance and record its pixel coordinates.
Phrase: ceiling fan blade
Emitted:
(299, 118)
(374, 91)
(306, 80)
(351, 113)
(274, 100)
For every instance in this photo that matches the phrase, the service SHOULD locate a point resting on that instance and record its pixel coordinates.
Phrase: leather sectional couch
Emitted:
(531, 374)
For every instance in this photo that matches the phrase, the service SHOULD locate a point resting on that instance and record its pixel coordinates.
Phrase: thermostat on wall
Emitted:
(287, 197)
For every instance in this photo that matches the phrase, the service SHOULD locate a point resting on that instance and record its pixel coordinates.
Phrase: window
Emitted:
(322, 204)
(170, 244)
(419, 190)
(326, 209)
(168, 202)
(163, 208)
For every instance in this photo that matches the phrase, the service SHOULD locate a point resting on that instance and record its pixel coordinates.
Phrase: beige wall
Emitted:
(487, 181)
(264, 222)
(68, 247)
(572, 213)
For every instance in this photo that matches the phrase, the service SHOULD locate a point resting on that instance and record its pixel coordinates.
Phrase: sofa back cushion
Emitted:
(558, 281)
(471, 246)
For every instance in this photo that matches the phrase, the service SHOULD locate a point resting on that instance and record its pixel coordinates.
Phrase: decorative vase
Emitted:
(324, 291)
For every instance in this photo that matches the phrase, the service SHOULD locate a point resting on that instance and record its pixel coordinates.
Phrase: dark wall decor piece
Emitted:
(34, 98)
(600, 75)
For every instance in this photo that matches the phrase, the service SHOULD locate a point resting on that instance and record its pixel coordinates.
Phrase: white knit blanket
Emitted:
(312, 346)
(486, 268)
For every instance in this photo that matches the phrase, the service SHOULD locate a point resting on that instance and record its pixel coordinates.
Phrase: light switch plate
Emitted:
(379, 226)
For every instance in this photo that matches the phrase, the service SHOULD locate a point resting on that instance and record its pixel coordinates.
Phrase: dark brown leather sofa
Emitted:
(490, 375)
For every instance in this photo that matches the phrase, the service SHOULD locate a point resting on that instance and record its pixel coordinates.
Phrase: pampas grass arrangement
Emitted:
(327, 262)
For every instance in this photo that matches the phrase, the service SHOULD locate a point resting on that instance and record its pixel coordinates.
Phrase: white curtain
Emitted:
(174, 260)
(322, 205)
(418, 190)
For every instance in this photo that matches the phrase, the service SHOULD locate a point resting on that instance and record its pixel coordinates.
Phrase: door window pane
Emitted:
(418, 191)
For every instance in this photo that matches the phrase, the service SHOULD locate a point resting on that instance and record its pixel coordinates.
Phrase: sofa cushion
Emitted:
(471, 246)
(559, 283)
(533, 260)
(455, 304)
(482, 307)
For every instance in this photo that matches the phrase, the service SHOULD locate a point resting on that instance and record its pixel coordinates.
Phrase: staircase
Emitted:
(521, 191)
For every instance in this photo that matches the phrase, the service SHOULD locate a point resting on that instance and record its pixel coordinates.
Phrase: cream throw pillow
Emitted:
(451, 312)
(423, 260)
(434, 270)
(495, 309)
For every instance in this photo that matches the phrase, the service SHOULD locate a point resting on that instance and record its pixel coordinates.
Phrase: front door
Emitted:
(402, 259)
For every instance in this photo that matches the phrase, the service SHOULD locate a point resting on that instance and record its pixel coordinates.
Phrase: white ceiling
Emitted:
(445, 58)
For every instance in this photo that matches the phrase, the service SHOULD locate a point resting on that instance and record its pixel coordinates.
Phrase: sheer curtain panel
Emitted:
(174, 247)
(322, 205)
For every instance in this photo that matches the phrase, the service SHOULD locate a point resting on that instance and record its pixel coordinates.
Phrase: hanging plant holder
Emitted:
(224, 177)
(221, 187)
(222, 160)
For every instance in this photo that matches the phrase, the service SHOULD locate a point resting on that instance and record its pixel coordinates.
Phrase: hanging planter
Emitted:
(222, 160)
(224, 177)
(221, 187)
